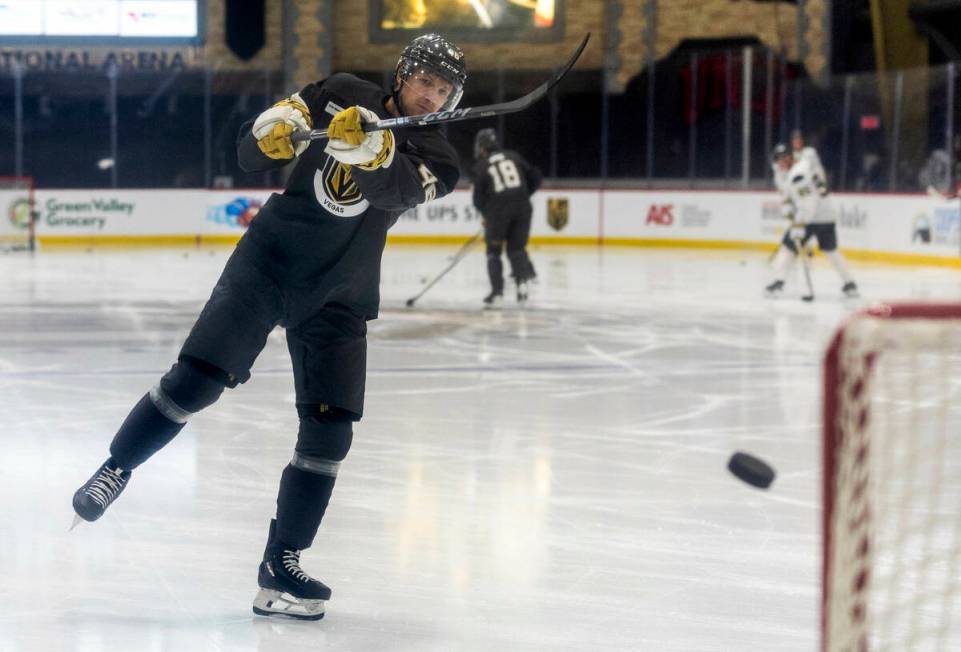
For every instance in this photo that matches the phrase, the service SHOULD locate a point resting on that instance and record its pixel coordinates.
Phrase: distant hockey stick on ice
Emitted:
(456, 258)
(467, 113)
(806, 266)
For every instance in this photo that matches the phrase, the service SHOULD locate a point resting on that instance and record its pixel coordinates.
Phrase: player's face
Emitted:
(797, 142)
(424, 92)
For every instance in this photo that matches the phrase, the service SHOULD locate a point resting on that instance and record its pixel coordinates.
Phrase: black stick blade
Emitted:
(570, 64)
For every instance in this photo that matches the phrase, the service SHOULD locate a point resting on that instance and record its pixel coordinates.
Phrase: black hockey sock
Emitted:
(521, 267)
(495, 268)
(144, 432)
(301, 503)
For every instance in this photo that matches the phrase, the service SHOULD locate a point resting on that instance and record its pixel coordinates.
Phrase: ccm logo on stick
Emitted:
(444, 115)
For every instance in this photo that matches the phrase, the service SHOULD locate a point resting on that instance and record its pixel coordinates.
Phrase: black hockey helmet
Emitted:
(780, 151)
(436, 54)
(485, 141)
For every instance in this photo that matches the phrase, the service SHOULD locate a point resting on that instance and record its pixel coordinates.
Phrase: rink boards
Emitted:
(894, 227)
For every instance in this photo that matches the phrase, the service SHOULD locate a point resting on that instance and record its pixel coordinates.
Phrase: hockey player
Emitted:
(503, 185)
(807, 153)
(310, 262)
(802, 152)
(812, 213)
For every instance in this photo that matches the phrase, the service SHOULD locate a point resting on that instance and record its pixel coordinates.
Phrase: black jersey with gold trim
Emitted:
(326, 233)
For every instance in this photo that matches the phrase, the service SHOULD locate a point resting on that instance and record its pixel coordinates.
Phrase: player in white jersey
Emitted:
(807, 153)
(812, 213)
(801, 153)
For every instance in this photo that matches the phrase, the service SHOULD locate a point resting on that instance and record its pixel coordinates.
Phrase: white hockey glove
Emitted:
(821, 186)
(351, 145)
(788, 210)
(796, 232)
(273, 128)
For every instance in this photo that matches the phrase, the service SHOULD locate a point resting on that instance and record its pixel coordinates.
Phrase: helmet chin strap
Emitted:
(395, 86)
(395, 95)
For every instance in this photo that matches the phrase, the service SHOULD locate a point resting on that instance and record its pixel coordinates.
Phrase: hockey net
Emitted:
(17, 220)
(892, 481)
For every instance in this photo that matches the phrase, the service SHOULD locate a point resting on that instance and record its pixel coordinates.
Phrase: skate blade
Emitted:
(276, 603)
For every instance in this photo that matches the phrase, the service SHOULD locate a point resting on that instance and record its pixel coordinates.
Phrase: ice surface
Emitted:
(550, 478)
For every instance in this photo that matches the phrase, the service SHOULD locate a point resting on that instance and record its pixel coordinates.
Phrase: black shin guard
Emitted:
(144, 432)
(301, 503)
(323, 441)
(189, 386)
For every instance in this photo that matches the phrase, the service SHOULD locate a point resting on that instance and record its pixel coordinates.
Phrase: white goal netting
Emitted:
(16, 219)
(892, 481)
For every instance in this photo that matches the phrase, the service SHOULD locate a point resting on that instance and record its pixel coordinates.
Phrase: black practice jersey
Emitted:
(322, 239)
(503, 184)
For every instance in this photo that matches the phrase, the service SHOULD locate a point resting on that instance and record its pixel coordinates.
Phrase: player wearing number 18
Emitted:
(503, 185)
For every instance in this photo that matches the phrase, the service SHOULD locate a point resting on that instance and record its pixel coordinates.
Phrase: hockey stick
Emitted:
(805, 265)
(456, 115)
(809, 251)
(770, 258)
(460, 255)
(464, 247)
(937, 194)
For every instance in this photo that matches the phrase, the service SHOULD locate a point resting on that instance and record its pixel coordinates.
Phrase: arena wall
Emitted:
(335, 33)
(908, 228)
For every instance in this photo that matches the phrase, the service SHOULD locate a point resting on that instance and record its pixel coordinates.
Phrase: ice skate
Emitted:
(493, 301)
(285, 589)
(850, 290)
(523, 291)
(774, 289)
(92, 499)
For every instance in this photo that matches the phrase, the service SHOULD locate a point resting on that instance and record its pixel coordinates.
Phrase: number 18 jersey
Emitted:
(503, 184)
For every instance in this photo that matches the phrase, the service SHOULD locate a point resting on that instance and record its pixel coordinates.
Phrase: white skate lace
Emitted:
(105, 486)
(291, 562)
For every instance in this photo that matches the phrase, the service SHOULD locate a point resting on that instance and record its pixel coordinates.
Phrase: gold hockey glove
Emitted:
(273, 128)
(349, 144)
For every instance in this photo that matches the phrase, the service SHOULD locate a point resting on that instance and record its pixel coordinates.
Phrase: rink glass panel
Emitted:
(679, 123)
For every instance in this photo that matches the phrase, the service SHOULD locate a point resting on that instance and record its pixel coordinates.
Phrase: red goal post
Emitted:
(891, 519)
(18, 219)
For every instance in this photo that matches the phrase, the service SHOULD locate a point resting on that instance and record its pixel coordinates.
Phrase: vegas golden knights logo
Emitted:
(340, 186)
(558, 212)
(337, 191)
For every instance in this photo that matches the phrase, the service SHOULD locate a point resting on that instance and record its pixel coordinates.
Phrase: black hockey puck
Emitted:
(751, 470)
(808, 297)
